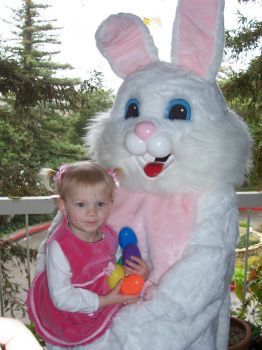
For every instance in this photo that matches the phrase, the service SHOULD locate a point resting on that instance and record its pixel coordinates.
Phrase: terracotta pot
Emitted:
(244, 327)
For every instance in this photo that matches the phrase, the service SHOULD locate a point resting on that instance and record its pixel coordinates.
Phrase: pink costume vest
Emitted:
(88, 262)
(163, 225)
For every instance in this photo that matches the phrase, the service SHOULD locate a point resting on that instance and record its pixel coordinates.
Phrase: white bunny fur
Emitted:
(210, 154)
(209, 150)
(189, 306)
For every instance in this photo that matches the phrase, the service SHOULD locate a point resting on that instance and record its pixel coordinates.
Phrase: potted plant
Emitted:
(239, 334)
(246, 320)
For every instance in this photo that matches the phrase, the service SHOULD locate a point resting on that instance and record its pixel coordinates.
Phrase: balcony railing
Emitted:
(247, 201)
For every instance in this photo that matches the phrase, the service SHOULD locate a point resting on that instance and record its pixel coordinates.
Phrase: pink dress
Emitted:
(88, 262)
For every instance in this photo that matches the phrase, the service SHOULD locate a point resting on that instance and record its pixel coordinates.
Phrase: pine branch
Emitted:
(31, 90)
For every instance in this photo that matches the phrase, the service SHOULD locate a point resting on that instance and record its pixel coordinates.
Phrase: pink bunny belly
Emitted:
(163, 225)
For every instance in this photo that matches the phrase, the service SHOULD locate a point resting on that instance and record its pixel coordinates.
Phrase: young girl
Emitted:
(70, 302)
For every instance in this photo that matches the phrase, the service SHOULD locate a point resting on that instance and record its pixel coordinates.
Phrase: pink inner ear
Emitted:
(126, 50)
(197, 30)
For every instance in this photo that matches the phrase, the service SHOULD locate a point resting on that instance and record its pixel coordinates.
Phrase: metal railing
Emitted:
(247, 201)
(24, 206)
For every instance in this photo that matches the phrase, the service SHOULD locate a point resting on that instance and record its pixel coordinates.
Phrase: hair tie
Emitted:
(60, 173)
(114, 175)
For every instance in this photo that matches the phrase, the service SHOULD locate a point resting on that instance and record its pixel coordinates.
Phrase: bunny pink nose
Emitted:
(145, 130)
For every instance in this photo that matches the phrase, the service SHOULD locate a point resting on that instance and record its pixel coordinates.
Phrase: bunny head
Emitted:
(169, 129)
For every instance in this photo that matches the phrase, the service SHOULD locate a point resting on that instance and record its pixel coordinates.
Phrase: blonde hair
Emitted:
(86, 173)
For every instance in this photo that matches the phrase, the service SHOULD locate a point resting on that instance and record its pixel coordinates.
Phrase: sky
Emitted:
(79, 20)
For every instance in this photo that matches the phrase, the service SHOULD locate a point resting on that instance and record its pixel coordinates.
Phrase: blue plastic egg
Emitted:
(126, 236)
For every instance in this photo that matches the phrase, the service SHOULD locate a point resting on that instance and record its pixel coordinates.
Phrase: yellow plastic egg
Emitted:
(116, 275)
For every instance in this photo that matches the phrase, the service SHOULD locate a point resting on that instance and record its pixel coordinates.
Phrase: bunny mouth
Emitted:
(153, 169)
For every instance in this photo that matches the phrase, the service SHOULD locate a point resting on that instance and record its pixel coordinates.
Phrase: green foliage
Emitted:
(238, 276)
(243, 88)
(250, 308)
(41, 117)
(29, 91)
(39, 138)
(18, 222)
(246, 37)
(13, 255)
(31, 327)
(242, 240)
(238, 279)
(243, 223)
(98, 101)
(43, 137)
(27, 69)
(34, 37)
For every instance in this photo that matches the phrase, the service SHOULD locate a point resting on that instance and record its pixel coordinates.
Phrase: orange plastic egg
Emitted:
(132, 285)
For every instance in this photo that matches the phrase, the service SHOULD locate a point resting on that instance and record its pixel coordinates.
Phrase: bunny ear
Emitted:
(124, 40)
(198, 36)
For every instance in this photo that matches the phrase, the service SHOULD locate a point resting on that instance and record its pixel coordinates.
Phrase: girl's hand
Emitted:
(114, 297)
(137, 266)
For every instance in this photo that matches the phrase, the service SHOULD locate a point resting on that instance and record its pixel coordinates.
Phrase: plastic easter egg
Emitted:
(132, 285)
(130, 250)
(126, 236)
(116, 275)
(120, 260)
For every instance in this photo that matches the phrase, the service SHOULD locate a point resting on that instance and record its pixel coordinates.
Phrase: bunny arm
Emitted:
(178, 317)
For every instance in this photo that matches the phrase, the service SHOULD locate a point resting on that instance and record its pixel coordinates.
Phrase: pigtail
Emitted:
(119, 172)
(47, 177)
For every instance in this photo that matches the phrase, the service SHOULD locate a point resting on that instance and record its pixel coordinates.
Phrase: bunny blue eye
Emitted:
(132, 108)
(178, 109)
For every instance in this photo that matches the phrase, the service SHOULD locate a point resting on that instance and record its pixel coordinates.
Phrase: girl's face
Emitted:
(87, 208)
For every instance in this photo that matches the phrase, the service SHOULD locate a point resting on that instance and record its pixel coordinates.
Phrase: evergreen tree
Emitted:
(243, 88)
(27, 69)
(34, 32)
(38, 112)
